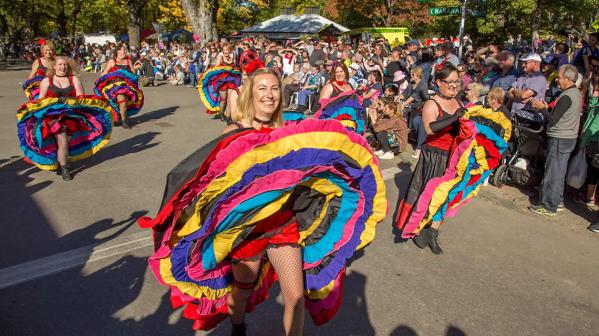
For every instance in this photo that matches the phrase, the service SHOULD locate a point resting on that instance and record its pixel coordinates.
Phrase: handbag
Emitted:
(577, 170)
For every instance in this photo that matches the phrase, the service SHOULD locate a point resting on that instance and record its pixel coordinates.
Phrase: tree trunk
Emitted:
(536, 22)
(134, 21)
(61, 19)
(202, 18)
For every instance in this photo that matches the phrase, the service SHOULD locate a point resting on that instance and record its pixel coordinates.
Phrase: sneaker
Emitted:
(125, 125)
(582, 200)
(416, 154)
(541, 210)
(561, 207)
(379, 152)
(594, 227)
(387, 156)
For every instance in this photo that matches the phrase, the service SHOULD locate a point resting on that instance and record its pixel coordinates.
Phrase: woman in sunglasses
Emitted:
(439, 115)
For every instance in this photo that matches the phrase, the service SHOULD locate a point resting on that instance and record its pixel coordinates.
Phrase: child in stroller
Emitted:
(523, 162)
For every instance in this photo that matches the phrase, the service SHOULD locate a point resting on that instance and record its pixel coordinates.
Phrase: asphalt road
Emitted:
(73, 260)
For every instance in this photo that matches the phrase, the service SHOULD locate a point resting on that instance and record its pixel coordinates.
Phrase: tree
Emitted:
(134, 21)
(201, 15)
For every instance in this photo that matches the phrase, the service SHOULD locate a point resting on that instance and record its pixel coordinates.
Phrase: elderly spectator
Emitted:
(293, 82)
(532, 84)
(310, 87)
(508, 73)
(473, 93)
(562, 132)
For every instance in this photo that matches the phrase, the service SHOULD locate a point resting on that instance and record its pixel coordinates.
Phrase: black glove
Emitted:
(438, 125)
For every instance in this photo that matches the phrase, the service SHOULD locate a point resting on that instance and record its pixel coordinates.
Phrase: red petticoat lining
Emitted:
(278, 229)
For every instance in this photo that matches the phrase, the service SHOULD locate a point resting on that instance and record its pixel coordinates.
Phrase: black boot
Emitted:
(421, 240)
(65, 173)
(433, 242)
(238, 329)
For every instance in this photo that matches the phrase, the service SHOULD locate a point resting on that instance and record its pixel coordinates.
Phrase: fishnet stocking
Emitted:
(245, 273)
(223, 103)
(287, 262)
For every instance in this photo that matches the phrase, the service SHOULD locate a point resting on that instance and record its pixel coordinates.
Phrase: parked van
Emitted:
(395, 35)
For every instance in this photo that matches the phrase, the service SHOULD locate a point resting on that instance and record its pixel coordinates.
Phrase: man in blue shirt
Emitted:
(509, 74)
(532, 84)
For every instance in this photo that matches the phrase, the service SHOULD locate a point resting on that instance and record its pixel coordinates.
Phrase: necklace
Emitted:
(60, 76)
(442, 96)
(262, 122)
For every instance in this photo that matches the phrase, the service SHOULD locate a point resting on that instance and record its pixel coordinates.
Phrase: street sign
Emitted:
(439, 11)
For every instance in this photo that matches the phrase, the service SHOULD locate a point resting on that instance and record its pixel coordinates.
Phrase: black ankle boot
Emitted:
(433, 242)
(421, 240)
(65, 173)
(238, 329)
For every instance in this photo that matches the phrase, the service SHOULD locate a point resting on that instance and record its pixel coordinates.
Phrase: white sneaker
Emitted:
(416, 154)
(379, 152)
(387, 156)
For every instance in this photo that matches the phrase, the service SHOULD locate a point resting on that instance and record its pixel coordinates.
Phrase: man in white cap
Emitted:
(532, 84)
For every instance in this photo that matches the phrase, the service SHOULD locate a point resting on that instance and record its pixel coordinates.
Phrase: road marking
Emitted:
(35, 269)
(42, 267)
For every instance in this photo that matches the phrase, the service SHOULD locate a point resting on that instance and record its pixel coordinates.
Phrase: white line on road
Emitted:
(35, 269)
(39, 268)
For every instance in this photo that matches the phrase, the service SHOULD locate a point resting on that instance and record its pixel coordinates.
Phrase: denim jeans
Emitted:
(418, 125)
(302, 97)
(558, 154)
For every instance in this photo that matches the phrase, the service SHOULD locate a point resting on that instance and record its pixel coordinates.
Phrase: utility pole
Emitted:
(462, 24)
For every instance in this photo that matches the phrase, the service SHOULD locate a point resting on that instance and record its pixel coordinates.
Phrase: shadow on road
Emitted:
(154, 115)
(23, 223)
(404, 330)
(132, 145)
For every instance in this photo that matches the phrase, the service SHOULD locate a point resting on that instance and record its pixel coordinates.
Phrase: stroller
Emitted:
(523, 163)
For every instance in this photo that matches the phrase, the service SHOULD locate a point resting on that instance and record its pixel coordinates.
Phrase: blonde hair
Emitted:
(417, 71)
(72, 68)
(476, 88)
(245, 104)
(496, 93)
(49, 44)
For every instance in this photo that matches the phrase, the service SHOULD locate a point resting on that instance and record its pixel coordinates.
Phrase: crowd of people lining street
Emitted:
(416, 92)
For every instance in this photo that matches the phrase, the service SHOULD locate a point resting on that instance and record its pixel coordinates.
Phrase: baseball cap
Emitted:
(412, 42)
(355, 66)
(531, 57)
(398, 75)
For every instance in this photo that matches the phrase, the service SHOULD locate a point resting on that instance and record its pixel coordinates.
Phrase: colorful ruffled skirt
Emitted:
(444, 181)
(86, 119)
(347, 108)
(120, 82)
(313, 184)
(31, 87)
(217, 79)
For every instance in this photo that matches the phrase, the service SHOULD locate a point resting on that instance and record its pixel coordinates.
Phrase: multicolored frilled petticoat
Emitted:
(86, 119)
(325, 176)
(476, 152)
(347, 108)
(216, 79)
(120, 82)
(31, 87)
